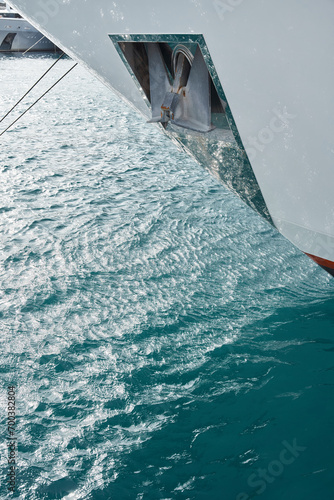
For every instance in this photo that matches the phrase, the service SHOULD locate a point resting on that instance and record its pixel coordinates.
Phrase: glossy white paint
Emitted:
(275, 62)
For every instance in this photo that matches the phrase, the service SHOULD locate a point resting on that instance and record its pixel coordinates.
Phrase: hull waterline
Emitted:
(271, 67)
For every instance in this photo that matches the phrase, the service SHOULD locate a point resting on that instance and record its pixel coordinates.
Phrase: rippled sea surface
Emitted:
(164, 341)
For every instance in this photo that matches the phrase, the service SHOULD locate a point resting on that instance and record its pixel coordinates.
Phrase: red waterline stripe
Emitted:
(322, 262)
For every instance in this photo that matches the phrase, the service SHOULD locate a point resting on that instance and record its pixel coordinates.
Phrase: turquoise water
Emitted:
(164, 341)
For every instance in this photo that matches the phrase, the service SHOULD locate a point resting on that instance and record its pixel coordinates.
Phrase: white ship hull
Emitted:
(273, 66)
(17, 35)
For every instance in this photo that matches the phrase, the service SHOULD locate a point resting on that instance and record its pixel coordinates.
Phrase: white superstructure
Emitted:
(18, 35)
(269, 63)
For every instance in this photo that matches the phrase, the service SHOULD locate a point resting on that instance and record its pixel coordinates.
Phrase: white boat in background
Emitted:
(18, 35)
(245, 87)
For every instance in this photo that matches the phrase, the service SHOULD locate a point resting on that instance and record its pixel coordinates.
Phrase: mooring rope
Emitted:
(41, 97)
(33, 45)
(25, 95)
